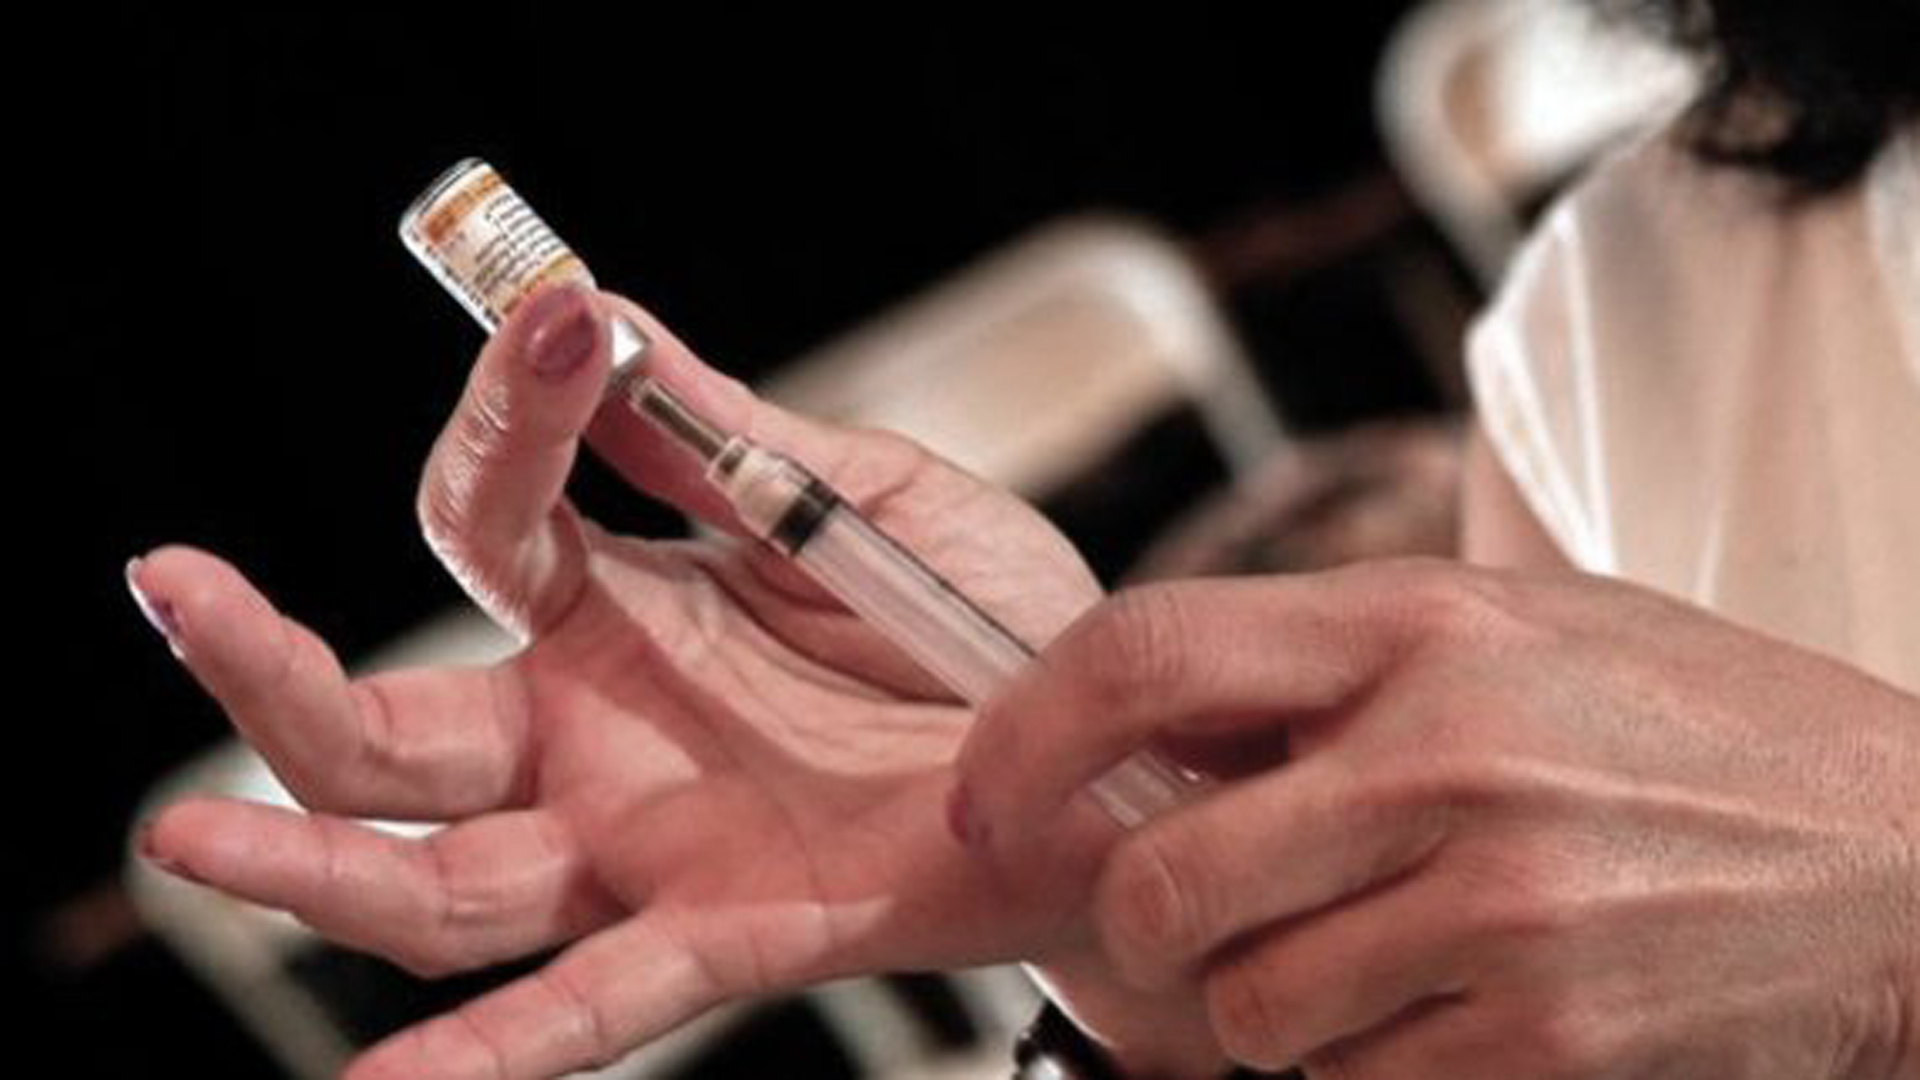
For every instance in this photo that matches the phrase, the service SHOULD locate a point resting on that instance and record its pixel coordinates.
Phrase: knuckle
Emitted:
(1467, 747)
(479, 435)
(1519, 907)
(591, 1031)
(479, 1037)
(1454, 736)
(1410, 822)
(1148, 908)
(1447, 602)
(486, 569)
(485, 424)
(446, 920)
(1247, 1007)
(1457, 771)
(1562, 1040)
(298, 659)
(1533, 909)
(442, 510)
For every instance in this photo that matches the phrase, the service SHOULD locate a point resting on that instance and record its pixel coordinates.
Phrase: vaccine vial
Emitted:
(485, 244)
(482, 241)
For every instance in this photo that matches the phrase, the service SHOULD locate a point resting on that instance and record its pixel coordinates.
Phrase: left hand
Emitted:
(1526, 826)
(701, 779)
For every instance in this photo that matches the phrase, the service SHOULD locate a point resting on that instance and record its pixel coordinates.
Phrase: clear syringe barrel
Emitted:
(891, 590)
(953, 640)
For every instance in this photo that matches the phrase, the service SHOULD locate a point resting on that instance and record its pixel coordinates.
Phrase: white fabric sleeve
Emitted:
(1530, 363)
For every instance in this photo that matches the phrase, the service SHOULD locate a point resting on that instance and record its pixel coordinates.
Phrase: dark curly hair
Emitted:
(1807, 90)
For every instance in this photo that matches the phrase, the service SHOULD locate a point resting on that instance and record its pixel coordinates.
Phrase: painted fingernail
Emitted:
(963, 821)
(562, 339)
(159, 614)
(151, 854)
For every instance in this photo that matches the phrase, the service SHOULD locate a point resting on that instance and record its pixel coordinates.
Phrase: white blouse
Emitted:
(1705, 389)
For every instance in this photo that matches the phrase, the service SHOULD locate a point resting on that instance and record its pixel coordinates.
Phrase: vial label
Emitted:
(485, 243)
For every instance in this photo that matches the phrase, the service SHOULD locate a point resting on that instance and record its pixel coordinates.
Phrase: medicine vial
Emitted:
(489, 249)
(485, 244)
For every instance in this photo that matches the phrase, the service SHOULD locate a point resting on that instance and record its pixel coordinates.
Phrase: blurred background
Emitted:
(225, 344)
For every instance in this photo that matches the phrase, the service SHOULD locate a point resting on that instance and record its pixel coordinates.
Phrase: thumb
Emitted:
(490, 501)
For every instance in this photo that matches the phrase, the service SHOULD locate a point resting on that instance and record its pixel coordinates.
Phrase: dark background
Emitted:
(224, 344)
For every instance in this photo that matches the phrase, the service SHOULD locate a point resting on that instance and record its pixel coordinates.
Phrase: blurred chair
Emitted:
(1030, 366)
(1027, 368)
(1487, 105)
(1387, 488)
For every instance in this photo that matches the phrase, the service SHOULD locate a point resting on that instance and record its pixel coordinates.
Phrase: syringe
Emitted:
(482, 242)
(782, 503)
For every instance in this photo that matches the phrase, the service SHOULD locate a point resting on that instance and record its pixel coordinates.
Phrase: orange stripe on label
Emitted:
(458, 205)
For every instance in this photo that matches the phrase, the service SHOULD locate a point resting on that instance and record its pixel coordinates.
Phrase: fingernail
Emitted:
(159, 614)
(562, 339)
(152, 855)
(962, 820)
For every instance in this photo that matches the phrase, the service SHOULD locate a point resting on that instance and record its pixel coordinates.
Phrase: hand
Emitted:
(700, 767)
(1526, 826)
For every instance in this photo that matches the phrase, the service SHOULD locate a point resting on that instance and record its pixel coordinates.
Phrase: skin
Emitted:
(1530, 824)
(1526, 825)
(701, 776)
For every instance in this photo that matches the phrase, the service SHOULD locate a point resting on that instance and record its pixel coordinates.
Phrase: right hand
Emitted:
(702, 776)
(1526, 825)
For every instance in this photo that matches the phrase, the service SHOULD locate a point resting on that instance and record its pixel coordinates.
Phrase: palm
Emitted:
(781, 801)
(704, 774)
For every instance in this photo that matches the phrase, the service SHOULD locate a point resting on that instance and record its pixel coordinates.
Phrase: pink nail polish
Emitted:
(560, 343)
(172, 866)
(159, 614)
(962, 821)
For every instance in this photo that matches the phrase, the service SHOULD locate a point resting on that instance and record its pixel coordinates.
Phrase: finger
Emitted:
(421, 744)
(587, 1007)
(485, 890)
(1295, 840)
(1312, 985)
(1175, 658)
(490, 500)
